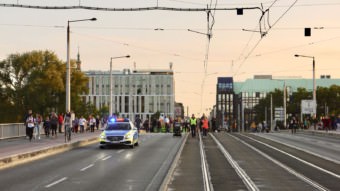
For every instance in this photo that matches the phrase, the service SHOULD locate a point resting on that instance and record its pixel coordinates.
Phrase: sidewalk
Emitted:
(20, 150)
(322, 132)
(330, 133)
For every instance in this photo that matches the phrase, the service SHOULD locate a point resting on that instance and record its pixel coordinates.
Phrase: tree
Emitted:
(326, 97)
(264, 104)
(36, 80)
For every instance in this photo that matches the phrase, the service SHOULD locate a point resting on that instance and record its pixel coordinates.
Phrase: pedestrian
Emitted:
(60, 122)
(138, 121)
(97, 122)
(213, 124)
(47, 126)
(153, 124)
(193, 124)
(253, 126)
(67, 123)
(205, 125)
(146, 125)
(38, 121)
(82, 122)
(167, 124)
(259, 127)
(92, 123)
(186, 125)
(294, 124)
(30, 126)
(54, 124)
(159, 125)
(75, 124)
(25, 121)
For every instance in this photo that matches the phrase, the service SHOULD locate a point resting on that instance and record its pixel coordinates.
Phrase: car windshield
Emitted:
(118, 126)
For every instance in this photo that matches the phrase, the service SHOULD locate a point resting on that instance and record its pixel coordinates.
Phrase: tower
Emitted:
(78, 62)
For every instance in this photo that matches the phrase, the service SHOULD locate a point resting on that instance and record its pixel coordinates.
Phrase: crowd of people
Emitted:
(167, 124)
(54, 123)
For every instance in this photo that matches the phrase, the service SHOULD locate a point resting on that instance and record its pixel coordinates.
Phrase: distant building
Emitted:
(140, 92)
(232, 97)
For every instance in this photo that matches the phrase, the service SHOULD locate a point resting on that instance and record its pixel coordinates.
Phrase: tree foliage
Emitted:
(327, 98)
(36, 80)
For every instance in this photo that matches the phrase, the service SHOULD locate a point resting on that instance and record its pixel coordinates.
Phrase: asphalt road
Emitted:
(91, 168)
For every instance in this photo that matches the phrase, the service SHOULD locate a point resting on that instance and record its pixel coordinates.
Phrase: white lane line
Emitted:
(107, 157)
(120, 151)
(241, 173)
(56, 182)
(204, 165)
(298, 148)
(83, 169)
(288, 169)
(294, 157)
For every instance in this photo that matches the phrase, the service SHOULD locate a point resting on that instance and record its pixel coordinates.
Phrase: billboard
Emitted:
(308, 107)
(225, 85)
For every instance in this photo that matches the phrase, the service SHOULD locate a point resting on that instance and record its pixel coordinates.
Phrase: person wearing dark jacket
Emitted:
(47, 126)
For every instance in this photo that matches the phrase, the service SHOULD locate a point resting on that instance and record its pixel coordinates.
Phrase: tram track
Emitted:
(275, 169)
(233, 161)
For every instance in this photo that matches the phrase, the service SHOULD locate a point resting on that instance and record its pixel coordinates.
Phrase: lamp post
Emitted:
(314, 85)
(68, 68)
(127, 56)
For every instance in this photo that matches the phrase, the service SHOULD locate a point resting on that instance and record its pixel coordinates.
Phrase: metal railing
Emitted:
(12, 130)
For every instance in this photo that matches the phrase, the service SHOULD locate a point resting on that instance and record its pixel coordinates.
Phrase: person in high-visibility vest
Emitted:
(193, 124)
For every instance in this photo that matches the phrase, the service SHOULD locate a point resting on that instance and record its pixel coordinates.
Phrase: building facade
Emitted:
(235, 101)
(224, 100)
(140, 92)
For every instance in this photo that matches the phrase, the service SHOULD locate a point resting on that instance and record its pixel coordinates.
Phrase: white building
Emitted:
(141, 92)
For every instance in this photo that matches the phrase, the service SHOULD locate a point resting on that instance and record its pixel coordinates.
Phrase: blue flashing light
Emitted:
(114, 120)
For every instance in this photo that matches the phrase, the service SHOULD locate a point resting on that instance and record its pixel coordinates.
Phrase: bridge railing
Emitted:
(12, 130)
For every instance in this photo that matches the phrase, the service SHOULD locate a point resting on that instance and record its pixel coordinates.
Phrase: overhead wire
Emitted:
(258, 42)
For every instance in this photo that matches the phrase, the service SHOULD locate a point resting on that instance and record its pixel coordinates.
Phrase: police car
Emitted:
(119, 131)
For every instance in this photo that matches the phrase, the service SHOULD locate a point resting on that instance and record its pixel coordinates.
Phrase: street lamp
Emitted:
(314, 85)
(127, 56)
(68, 68)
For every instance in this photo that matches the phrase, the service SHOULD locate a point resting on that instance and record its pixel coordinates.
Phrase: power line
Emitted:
(124, 9)
(258, 42)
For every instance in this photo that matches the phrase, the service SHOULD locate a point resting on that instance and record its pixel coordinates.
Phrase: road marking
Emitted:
(299, 159)
(120, 151)
(288, 169)
(83, 169)
(242, 174)
(56, 182)
(204, 165)
(107, 157)
(298, 148)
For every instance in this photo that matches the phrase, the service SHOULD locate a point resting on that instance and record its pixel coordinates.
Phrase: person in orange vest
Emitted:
(205, 125)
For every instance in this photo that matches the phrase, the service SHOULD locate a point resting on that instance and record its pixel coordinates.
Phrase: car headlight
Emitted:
(128, 136)
(103, 136)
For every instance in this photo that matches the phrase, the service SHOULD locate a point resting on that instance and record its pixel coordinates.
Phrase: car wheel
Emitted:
(136, 144)
(102, 146)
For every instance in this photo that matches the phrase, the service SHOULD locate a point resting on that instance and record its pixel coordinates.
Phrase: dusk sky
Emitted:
(236, 48)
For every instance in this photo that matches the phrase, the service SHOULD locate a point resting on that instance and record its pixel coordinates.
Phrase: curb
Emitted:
(16, 159)
(321, 133)
(168, 176)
